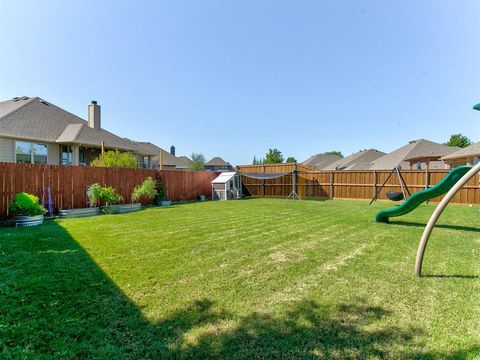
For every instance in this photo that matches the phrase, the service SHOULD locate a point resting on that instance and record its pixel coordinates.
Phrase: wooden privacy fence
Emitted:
(68, 184)
(347, 184)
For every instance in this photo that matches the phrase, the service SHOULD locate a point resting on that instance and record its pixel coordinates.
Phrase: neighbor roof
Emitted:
(217, 161)
(167, 158)
(35, 119)
(469, 151)
(413, 150)
(361, 160)
(321, 161)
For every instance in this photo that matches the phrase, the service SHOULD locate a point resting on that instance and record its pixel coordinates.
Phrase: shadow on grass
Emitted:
(441, 226)
(56, 302)
(459, 276)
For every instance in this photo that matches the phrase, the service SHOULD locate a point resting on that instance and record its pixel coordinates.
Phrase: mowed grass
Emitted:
(258, 278)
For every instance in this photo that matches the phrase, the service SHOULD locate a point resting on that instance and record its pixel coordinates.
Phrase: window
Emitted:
(67, 155)
(30, 153)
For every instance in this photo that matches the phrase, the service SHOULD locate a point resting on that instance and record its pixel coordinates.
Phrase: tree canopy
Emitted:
(198, 162)
(459, 140)
(273, 156)
(291, 159)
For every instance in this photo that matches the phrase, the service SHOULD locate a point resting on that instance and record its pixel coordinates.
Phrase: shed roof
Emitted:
(224, 177)
(469, 151)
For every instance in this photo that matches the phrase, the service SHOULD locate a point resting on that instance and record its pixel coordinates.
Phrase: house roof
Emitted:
(361, 160)
(167, 158)
(224, 177)
(413, 150)
(469, 151)
(216, 161)
(321, 161)
(185, 161)
(35, 119)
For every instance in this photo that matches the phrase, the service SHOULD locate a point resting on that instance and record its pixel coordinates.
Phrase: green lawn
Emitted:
(259, 278)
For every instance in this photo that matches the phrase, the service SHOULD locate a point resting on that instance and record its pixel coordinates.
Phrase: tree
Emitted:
(291, 159)
(198, 162)
(116, 159)
(459, 140)
(334, 152)
(257, 161)
(273, 156)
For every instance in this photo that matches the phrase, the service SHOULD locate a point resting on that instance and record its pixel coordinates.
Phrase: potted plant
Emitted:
(27, 210)
(94, 198)
(147, 190)
(109, 195)
(161, 199)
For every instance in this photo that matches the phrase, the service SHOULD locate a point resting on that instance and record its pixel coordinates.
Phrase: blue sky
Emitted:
(234, 78)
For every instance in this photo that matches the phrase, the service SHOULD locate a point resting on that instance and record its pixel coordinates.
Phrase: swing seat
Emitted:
(395, 195)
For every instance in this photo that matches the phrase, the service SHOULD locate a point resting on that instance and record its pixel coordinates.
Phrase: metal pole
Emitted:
(436, 214)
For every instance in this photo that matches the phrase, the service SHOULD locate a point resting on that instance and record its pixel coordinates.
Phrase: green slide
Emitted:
(421, 196)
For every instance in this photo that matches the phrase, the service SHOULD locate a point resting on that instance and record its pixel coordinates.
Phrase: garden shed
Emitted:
(227, 186)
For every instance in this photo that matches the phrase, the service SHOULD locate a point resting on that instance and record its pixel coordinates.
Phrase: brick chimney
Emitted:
(94, 115)
(172, 150)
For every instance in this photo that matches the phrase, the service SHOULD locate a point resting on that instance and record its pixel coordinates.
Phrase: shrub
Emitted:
(97, 193)
(94, 194)
(146, 190)
(161, 192)
(116, 159)
(26, 204)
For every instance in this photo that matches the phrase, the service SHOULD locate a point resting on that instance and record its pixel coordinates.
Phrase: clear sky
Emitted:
(234, 78)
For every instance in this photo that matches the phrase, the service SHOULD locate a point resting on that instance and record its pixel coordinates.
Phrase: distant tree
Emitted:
(334, 152)
(291, 159)
(198, 162)
(257, 161)
(459, 140)
(273, 156)
(115, 159)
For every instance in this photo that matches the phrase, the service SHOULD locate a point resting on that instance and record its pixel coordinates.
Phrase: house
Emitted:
(218, 164)
(168, 159)
(416, 154)
(463, 156)
(361, 160)
(185, 162)
(33, 130)
(321, 161)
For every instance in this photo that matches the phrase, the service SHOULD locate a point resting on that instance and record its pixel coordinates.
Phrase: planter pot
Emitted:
(24, 221)
(163, 202)
(202, 197)
(111, 209)
(73, 213)
(123, 209)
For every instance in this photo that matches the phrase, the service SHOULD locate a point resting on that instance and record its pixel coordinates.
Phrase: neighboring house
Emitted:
(463, 156)
(321, 161)
(33, 130)
(361, 160)
(218, 164)
(423, 152)
(184, 162)
(168, 159)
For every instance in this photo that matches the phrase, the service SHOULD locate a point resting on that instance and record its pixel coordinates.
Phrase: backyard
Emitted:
(257, 278)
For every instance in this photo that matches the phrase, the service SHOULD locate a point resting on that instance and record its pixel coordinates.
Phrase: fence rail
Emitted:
(348, 184)
(68, 184)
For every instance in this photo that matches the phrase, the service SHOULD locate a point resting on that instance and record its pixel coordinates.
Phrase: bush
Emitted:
(146, 190)
(115, 159)
(108, 194)
(161, 193)
(26, 204)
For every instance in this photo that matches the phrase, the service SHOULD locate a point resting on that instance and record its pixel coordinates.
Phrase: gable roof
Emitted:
(321, 161)
(35, 119)
(217, 161)
(167, 158)
(469, 151)
(414, 149)
(361, 160)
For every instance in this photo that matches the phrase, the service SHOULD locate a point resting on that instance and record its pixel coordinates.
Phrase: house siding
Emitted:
(7, 150)
(53, 156)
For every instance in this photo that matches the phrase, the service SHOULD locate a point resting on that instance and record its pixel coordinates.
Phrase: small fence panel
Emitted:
(68, 184)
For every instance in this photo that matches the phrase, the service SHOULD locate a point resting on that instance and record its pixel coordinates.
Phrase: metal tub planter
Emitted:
(111, 209)
(127, 208)
(24, 221)
(74, 213)
(163, 202)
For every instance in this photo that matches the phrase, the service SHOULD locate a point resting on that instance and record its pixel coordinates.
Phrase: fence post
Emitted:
(374, 182)
(263, 181)
(331, 185)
